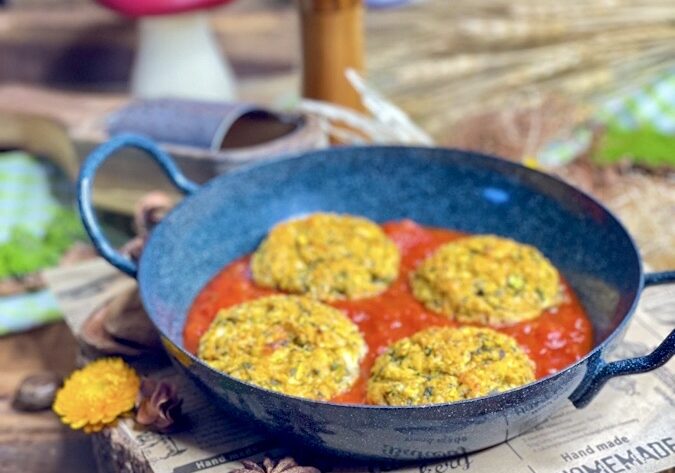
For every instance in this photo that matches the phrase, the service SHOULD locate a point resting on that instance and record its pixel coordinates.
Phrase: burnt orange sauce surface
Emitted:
(553, 340)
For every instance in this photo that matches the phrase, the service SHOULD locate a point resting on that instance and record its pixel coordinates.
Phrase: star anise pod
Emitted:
(285, 465)
(158, 405)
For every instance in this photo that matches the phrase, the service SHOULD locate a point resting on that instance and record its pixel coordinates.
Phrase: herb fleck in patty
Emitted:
(488, 280)
(290, 344)
(447, 364)
(328, 257)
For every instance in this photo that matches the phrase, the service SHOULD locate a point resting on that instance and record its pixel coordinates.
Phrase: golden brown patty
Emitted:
(289, 344)
(328, 257)
(487, 280)
(448, 364)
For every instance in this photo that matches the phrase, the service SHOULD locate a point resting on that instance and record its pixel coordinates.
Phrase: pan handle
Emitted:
(599, 371)
(664, 277)
(85, 183)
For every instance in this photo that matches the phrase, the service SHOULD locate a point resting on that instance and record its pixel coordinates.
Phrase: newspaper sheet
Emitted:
(629, 426)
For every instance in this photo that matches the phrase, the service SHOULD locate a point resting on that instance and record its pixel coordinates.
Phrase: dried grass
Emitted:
(644, 201)
(441, 61)
(507, 77)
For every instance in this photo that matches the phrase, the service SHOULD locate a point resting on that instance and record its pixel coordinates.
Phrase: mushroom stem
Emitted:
(178, 57)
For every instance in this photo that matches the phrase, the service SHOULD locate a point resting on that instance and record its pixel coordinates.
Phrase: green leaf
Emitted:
(645, 146)
(26, 253)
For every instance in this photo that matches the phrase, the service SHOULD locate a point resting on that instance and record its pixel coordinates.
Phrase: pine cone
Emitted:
(285, 465)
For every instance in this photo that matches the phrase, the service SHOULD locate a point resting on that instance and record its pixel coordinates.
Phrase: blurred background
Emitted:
(583, 89)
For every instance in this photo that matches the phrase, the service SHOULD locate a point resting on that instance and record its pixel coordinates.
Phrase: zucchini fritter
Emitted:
(448, 364)
(294, 345)
(488, 280)
(328, 257)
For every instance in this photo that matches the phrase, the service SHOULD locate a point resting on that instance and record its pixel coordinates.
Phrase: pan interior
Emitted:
(446, 188)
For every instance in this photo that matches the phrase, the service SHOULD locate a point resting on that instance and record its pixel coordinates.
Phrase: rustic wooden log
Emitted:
(116, 454)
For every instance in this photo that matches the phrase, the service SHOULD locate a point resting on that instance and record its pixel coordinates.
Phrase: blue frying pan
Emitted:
(228, 216)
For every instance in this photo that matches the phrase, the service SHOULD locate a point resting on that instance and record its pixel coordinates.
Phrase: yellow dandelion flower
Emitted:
(96, 395)
(531, 162)
(93, 428)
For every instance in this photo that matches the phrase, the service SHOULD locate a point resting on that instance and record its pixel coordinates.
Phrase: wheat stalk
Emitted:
(440, 61)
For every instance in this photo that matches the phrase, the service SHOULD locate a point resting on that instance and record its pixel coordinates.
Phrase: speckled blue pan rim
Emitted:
(472, 157)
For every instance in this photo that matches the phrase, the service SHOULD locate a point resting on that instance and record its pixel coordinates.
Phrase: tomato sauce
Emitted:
(554, 340)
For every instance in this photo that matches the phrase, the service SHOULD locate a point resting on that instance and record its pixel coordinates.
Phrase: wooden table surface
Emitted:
(38, 442)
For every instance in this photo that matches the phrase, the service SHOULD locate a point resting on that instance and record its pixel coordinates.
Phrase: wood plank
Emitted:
(38, 442)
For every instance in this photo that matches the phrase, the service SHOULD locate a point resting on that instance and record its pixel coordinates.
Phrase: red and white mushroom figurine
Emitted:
(178, 55)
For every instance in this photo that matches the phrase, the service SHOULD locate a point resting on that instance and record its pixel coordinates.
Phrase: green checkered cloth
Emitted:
(25, 197)
(19, 313)
(652, 106)
(640, 124)
(25, 201)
